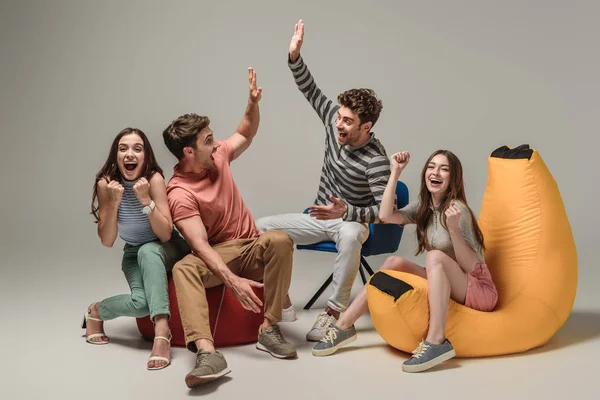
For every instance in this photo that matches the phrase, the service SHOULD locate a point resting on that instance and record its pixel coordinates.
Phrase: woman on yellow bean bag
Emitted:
(454, 268)
(531, 255)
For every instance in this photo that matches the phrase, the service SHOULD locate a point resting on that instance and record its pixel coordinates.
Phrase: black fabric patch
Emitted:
(523, 151)
(390, 285)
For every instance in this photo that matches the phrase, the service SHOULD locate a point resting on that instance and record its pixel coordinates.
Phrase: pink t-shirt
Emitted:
(214, 196)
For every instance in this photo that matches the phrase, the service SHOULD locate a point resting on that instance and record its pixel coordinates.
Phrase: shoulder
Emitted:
(156, 178)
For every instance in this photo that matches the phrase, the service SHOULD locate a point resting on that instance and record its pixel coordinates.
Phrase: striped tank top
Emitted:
(134, 225)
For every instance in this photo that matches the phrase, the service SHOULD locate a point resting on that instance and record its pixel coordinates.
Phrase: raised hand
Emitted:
(242, 289)
(115, 192)
(255, 93)
(332, 211)
(399, 161)
(296, 42)
(142, 191)
(453, 215)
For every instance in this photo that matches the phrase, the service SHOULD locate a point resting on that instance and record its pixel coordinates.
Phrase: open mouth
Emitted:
(342, 135)
(130, 166)
(435, 182)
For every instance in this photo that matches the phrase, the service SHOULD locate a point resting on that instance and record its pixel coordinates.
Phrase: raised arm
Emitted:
(387, 211)
(324, 107)
(246, 130)
(109, 199)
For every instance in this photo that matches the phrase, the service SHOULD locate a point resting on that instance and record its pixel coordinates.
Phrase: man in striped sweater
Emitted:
(353, 178)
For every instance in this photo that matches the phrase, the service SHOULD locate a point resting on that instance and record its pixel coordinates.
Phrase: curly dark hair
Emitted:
(183, 131)
(363, 102)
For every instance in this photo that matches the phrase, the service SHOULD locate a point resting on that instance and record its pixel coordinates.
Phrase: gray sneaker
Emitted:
(321, 324)
(273, 342)
(333, 339)
(428, 355)
(209, 366)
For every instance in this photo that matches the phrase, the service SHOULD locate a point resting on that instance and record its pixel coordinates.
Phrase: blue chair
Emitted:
(383, 239)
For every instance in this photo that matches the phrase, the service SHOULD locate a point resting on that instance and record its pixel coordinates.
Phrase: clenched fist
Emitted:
(453, 215)
(115, 192)
(399, 161)
(142, 191)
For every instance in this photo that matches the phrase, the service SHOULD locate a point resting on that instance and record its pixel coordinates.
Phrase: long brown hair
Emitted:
(456, 191)
(110, 171)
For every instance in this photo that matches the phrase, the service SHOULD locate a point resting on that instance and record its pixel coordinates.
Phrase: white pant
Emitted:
(348, 237)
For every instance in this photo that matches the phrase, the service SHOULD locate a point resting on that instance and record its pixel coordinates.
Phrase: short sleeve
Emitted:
(182, 204)
(410, 212)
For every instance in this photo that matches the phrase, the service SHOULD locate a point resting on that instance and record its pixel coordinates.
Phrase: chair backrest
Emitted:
(385, 238)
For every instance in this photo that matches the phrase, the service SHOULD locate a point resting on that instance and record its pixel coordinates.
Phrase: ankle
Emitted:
(206, 345)
(267, 323)
(95, 310)
(435, 339)
(332, 312)
(161, 325)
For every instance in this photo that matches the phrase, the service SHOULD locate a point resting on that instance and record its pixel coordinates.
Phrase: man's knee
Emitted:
(277, 239)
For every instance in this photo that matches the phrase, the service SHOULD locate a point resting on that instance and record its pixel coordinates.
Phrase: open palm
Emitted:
(297, 39)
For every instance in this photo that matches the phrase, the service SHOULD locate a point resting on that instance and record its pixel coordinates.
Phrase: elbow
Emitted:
(384, 216)
(107, 243)
(164, 238)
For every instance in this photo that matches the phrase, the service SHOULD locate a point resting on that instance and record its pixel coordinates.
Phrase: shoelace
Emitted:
(419, 351)
(202, 358)
(323, 321)
(276, 335)
(330, 335)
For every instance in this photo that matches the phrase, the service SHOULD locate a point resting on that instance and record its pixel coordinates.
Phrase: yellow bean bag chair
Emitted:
(530, 253)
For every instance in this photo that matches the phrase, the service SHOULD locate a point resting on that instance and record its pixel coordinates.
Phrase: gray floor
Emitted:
(45, 355)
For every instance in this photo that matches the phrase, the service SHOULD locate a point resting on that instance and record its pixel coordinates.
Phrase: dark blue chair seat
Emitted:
(383, 239)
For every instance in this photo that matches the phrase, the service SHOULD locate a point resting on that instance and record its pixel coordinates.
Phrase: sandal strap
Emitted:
(164, 338)
(93, 319)
(95, 335)
(158, 358)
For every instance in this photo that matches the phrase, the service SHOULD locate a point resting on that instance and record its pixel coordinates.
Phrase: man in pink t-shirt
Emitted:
(209, 211)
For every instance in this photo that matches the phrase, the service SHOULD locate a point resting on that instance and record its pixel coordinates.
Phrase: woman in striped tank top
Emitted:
(131, 201)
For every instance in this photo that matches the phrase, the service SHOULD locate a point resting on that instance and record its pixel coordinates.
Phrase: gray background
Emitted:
(464, 75)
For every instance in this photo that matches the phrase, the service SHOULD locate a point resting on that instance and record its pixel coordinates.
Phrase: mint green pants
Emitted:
(145, 268)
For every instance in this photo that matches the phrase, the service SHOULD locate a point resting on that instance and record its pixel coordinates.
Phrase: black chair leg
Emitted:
(362, 275)
(319, 293)
(365, 264)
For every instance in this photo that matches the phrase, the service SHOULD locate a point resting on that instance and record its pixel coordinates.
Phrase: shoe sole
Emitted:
(331, 350)
(429, 364)
(192, 380)
(261, 347)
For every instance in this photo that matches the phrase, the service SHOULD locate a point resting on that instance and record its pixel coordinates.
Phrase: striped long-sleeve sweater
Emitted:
(356, 175)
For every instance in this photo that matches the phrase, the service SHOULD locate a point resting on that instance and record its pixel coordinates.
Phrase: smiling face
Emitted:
(350, 130)
(131, 156)
(437, 176)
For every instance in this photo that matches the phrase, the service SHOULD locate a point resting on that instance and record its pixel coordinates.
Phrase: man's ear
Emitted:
(188, 151)
(366, 127)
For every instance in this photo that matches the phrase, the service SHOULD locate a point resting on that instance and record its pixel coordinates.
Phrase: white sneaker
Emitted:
(289, 314)
(321, 324)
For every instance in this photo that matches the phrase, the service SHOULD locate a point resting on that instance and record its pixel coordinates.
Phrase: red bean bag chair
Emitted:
(230, 323)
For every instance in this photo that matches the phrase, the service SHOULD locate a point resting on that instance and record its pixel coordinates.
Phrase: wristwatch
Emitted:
(148, 209)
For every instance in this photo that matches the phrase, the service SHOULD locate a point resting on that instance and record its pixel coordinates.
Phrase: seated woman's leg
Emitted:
(343, 331)
(446, 280)
(155, 260)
